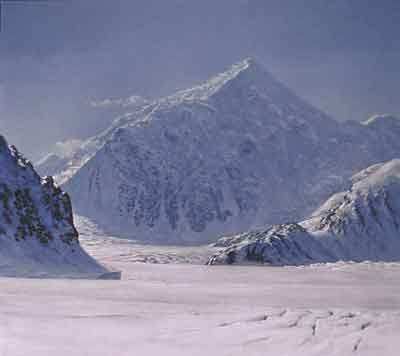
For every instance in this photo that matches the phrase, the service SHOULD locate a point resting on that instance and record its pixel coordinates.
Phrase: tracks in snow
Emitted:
(309, 328)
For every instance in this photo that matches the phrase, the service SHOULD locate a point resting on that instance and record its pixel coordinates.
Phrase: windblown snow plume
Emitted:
(132, 101)
(66, 149)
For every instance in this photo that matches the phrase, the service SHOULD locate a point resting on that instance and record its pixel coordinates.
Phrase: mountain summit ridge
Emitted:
(238, 151)
(209, 87)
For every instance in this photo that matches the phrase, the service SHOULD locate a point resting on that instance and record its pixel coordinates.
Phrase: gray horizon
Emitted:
(58, 56)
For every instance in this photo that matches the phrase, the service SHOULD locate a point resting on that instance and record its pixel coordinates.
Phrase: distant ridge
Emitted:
(360, 224)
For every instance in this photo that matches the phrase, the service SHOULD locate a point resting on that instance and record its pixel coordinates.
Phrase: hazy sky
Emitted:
(56, 56)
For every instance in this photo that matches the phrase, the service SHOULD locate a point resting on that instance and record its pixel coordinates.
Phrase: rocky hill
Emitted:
(362, 223)
(37, 233)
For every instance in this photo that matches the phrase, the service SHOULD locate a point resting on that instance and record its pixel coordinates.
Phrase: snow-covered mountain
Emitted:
(362, 223)
(68, 156)
(37, 233)
(237, 152)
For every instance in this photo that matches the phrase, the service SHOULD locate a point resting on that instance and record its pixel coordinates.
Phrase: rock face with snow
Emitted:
(237, 152)
(197, 163)
(362, 223)
(37, 233)
(68, 156)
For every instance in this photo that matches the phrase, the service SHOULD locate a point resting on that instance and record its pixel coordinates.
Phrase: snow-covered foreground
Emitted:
(186, 309)
(182, 309)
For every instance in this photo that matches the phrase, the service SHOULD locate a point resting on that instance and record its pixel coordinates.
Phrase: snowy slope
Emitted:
(37, 233)
(63, 163)
(181, 310)
(362, 223)
(237, 152)
(197, 163)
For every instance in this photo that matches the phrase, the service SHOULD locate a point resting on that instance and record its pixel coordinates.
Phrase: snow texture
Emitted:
(237, 152)
(360, 224)
(335, 310)
(37, 233)
(113, 249)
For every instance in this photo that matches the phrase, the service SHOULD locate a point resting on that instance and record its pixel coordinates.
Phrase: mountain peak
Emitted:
(380, 118)
(377, 176)
(246, 65)
(247, 68)
(238, 151)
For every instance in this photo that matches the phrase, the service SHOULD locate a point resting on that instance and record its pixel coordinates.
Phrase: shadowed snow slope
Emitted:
(236, 152)
(37, 234)
(362, 223)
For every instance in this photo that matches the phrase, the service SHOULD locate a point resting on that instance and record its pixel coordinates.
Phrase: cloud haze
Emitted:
(56, 58)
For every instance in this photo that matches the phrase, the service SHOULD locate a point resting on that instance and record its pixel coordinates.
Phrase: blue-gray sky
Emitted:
(342, 55)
